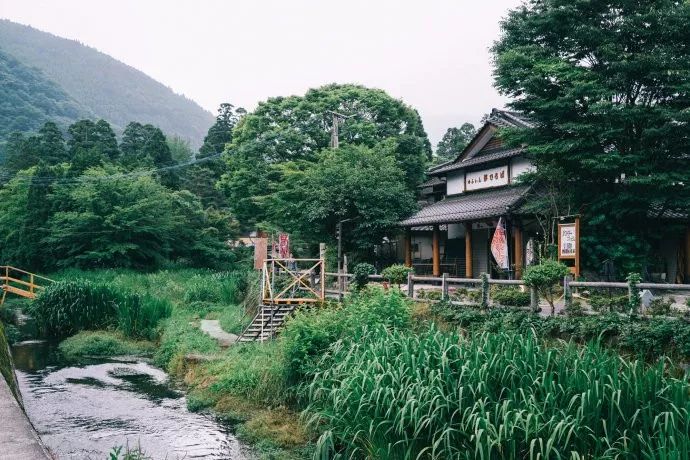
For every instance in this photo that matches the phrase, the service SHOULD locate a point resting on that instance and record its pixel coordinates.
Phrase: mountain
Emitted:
(28, 99)
(85, 82)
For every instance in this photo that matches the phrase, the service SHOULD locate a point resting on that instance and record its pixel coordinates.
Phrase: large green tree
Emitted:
(607, 84)
(357, 183)
(453, 142)
(298, 128)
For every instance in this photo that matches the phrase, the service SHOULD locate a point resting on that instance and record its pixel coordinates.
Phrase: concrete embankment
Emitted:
(18, 439)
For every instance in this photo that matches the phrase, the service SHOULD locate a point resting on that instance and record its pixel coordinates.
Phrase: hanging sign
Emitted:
(499, 245)
(284, 245)
(567, 241)
(494, 177)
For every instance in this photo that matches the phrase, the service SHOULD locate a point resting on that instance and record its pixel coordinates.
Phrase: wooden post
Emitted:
(322, 257)
(534, 299)
(408, 247)
(410, 285)
(444, 286)
(468, 249)
(517, 237)
(687, 255)
(567, 293)
(436, 251)
(345, 278)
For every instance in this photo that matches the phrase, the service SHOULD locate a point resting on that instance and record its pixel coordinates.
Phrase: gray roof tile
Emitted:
(497, 155)
(469, 206)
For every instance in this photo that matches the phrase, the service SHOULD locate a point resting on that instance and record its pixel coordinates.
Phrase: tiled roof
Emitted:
(508, 119)
(496, 155)
(671, 214)
(469, 206)
(434, 180)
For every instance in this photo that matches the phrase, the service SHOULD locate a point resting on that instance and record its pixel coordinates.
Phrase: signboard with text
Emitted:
(494, 177)
(567, 241)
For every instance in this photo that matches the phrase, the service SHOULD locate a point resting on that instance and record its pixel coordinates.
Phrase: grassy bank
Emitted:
(378, 377)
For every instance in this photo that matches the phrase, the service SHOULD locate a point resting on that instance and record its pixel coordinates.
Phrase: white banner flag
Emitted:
(499, 245)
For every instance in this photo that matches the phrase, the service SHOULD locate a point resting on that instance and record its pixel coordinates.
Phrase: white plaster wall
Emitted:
(424, 247)
(520, 165)
(455, 183)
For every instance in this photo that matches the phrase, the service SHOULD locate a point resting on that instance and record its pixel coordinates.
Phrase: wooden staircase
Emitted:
(266, 323)
(20, 282)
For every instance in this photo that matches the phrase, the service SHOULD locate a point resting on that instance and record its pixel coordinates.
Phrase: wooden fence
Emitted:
(445, 282)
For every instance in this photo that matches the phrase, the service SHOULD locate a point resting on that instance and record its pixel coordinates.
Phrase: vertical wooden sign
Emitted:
(569, 244)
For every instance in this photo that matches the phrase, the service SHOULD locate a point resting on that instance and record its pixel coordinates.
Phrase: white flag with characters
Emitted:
(499, 245)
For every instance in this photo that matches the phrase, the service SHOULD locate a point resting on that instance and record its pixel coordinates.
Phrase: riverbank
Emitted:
(18, 439)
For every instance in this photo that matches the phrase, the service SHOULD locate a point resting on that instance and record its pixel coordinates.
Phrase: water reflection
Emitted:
(81, 412)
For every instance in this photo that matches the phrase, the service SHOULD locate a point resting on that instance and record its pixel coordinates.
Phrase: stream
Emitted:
(83, 411)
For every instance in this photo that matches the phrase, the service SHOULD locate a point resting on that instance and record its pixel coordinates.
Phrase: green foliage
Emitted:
(180, 338)
(392, 394)
(648, 338)
(605, 84)
(454, 142)
(6, 369)
(101, 344)
(660, 306)
(97, 86)
(309, 333)
(608, 303)
(396, 274)
(30, 99)
(361, 274)
(545, 278)
(67, 307)
(353, 182)
(510, 297)
(234, 319)
(293, 130)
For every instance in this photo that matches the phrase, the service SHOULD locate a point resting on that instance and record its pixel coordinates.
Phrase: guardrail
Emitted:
(20, 282)
(445, 282)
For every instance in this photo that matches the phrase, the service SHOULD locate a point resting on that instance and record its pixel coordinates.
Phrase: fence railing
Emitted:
(444, 283)
(20, 282)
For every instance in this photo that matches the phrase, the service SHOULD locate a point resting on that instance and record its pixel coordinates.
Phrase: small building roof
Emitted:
(432, 181)
(468, 206)
(495, 155)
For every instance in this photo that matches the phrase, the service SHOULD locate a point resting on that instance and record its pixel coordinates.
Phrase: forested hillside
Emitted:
(28, 99)
(109, 89)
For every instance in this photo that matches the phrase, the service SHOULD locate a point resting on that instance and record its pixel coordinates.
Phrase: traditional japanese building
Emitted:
(462, 201)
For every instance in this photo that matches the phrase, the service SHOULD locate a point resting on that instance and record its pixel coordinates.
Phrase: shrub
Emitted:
(309, 333)
(510, 297)
(396, 274)
(361, 274)
(660, 306)
(390, 394)
(604, 303)
(545, 277)
(67, 307)
(101, 344)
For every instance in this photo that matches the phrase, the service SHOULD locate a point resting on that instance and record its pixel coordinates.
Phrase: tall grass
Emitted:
(394, 395)
(67, 307)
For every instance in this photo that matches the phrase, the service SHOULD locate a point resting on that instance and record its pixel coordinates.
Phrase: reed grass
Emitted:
(395, 395)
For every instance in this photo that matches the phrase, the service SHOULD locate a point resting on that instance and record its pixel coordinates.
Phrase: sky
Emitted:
(432, 54)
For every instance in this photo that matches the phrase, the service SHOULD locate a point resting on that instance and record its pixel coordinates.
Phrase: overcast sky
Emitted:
(431, 53)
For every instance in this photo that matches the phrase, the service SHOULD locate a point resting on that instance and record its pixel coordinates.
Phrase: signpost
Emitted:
(569, 244)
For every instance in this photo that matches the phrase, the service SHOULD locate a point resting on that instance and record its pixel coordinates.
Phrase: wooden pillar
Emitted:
(517, 238)
(687, 255)
(436, 251)
(408, 247)
(468, 249)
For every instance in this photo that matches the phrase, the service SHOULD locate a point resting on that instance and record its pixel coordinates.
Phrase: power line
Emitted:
(112, 177)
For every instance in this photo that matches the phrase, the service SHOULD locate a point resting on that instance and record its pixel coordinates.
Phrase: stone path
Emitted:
(18, 440)
(212, 328)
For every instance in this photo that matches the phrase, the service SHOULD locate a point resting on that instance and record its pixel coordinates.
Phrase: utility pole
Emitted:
(336, 119)
(340, 256)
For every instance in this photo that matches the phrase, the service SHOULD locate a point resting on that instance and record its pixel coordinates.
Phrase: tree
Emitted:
(52, 144)
(545, 278)
(605, 83)
(180, 150)
(145, 147)
(298, 128)
(220, 133)
(98, 137)
(453, 142)
(352, 182)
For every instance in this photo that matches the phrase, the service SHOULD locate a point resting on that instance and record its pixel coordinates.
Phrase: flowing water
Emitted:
(82, 412)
